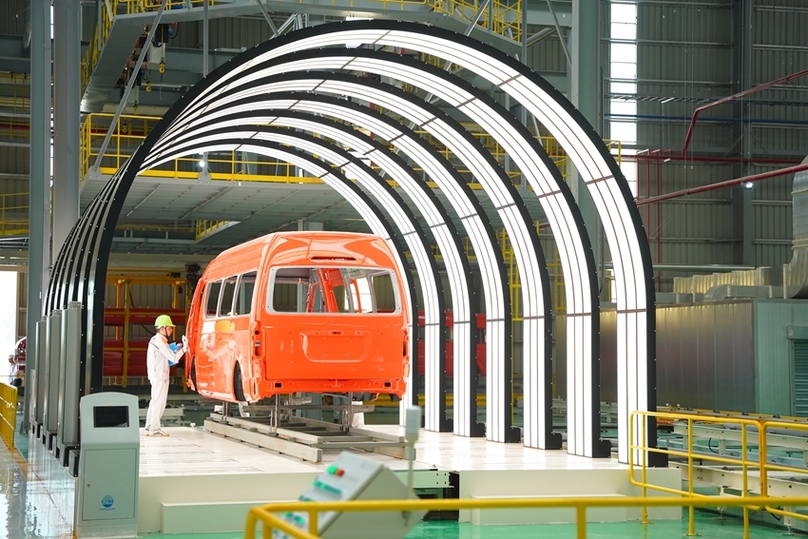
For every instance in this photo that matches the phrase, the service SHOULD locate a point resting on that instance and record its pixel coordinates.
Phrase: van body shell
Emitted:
(246, 351)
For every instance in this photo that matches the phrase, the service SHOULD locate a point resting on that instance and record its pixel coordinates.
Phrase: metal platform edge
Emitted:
(304, 445)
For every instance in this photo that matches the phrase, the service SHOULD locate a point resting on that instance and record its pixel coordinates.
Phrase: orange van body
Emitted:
(289, 312)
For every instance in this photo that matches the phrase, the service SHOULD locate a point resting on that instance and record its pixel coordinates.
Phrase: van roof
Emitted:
(301, 247)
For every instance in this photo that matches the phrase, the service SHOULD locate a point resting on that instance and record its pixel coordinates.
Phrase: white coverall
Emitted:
(157, 358)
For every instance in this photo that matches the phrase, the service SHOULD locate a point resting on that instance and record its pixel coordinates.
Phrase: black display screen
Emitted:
(110, 416)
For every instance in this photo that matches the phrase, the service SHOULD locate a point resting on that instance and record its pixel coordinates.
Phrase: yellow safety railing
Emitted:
(8, 402)
(131, 130)
(271, 515)
(109, 10)
(203, 228)
(14, 214)
(128, 133)
(754, 467)
(615, 148)
(18, 99)
(96, 44)
(501, 17)
(122, 314)
(15, 128)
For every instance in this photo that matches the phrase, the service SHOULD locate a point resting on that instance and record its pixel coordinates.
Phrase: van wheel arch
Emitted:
(193, 374)
(238, 384)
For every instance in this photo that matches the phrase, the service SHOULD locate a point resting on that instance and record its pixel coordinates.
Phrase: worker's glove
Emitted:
(185, 344)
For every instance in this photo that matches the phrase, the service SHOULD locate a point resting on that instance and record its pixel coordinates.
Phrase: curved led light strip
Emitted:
(444, 232)
(575, 253)
(405, 222)
(331, 177)
(81, 263)
(523, 236)
(554, 195)
(621, 221)
(454, 187)
(84, 263)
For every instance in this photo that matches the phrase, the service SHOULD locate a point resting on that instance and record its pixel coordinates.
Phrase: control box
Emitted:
(352, 477)
(109, 462)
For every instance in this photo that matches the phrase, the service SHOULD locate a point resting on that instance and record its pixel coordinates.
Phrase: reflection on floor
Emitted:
(35, 495)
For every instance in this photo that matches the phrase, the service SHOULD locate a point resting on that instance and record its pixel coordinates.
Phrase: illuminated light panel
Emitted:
(577, 143)
(322, 151)
(454, 263)
(313, 149)
(485, 174)
(418, 43)
(325, 130)
(440, 129)
(218, 147)
(447, 91)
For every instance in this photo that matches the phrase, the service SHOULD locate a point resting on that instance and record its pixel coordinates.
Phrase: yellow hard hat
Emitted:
(162, 321)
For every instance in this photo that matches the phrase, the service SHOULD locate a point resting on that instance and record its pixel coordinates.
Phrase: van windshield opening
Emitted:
(332, 289)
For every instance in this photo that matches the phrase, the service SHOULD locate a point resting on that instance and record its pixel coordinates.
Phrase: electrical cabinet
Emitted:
(352, 477)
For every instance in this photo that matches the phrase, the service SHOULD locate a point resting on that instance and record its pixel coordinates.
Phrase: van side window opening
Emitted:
(228, 294)
(212, 299)
(244, 293)
(332, 290)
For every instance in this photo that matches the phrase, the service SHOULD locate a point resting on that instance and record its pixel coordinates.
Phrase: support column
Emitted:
(66, 69)
(39, 204)
(585, 76)
(586, 93)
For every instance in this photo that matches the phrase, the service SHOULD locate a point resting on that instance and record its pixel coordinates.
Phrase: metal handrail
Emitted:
(271, 520)
(502, 17)
(8, 414)
(131, 130)
(14, 214)
(750, 428)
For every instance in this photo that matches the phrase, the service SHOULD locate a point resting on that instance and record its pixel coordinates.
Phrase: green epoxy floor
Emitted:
(33, 513)
(708, 525)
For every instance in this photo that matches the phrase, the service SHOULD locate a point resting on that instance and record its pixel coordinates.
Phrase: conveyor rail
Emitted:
(303, 437)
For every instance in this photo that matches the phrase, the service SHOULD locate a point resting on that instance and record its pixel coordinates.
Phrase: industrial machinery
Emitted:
(355, 478)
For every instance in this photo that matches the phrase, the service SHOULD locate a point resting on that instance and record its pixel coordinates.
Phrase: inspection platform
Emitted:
(197, 481)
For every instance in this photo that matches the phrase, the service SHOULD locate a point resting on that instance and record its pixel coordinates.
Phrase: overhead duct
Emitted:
(730, 291)
(795, 273)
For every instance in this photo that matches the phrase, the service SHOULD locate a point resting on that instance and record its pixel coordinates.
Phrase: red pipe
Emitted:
(752, 160)
(659, 225)
(732, 97)
(728, 183)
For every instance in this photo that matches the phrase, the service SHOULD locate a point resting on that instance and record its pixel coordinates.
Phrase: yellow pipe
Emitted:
(745, 479)
(580, 516)
(762, 425)
(644, 490)
(691, 525)
(267, 513)
(8, 414)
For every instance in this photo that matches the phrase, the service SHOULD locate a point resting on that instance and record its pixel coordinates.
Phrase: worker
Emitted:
(158, 359)
(14, 378)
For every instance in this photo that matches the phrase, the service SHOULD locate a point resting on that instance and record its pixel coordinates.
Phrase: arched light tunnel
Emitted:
(305, 81)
